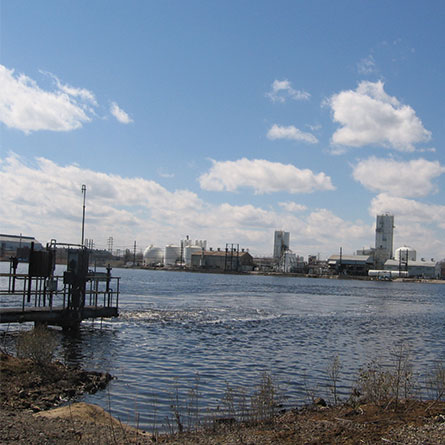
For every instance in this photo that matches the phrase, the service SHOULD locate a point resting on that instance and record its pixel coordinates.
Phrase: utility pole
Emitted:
(134, 254)
(84, 192)
(341, 259)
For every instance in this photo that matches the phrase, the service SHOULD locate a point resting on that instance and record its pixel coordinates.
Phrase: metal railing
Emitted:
(101, 290)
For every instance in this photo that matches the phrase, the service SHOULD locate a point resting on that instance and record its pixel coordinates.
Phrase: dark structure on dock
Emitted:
(42, 297)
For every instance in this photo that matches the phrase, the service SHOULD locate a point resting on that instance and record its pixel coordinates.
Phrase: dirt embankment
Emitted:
(26, 385)
(30, 404)
(30, 394)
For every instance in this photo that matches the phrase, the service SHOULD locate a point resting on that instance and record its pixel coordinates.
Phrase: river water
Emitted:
(175, 328)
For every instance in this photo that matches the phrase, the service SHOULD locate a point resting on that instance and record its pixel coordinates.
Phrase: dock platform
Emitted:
(60, 300)
(59, 316)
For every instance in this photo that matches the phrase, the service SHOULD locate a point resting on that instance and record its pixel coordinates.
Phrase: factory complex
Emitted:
(378, 262)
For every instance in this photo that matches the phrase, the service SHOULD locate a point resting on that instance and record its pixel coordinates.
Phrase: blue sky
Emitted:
(224, 121)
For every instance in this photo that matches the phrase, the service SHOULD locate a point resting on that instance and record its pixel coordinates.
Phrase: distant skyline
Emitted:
(224, 121)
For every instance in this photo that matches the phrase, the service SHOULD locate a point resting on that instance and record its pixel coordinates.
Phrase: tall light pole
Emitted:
(84, 192)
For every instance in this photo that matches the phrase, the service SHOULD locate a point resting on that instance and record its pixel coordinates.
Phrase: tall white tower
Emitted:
(281, 243)
(384, 230)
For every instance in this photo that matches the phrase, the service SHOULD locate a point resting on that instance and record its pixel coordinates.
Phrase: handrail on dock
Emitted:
(101, 290)
(63, 300)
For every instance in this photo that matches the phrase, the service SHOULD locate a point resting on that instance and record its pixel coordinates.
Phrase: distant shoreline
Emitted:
(289, 275)
(275, 274)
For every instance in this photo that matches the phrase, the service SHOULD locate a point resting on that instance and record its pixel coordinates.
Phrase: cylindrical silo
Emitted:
(172, 254)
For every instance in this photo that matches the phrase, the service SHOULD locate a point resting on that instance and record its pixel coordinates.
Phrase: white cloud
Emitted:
(263, 176)
(337, 151)
(26, 107)
(82, 93)
(367, 65)
(292, 133)
(369, 116)
(398, 178)
(49, 195)
(329, 229)
(246, 216)
(408, 210)
(164, 174)
(291, 206)
(44, 199)
(120, 114)
(427, 150)
(282, 90)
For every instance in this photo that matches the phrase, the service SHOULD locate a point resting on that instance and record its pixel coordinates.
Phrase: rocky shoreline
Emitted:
(37, 406)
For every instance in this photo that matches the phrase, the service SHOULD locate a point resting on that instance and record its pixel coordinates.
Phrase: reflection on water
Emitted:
(174, 326)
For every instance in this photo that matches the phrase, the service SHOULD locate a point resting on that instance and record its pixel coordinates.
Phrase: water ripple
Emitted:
(174, 327)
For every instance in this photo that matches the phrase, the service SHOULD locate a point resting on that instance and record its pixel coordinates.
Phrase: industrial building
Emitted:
(406, 261)
(405, 254)
(153, 256)
(189, 247)
(223, 260)
(281, 243)
(17, 245)
(416, 269)
(379, 261)
(172, 255)
(384, 233)
(351, 264)
(371, 258)
(291, 263)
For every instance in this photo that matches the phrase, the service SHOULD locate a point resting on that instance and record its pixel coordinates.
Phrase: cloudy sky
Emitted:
(224, 121)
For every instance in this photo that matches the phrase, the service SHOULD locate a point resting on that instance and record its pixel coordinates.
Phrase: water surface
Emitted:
(174, 326)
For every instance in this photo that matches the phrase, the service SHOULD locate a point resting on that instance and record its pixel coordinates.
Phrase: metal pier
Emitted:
(65, 300)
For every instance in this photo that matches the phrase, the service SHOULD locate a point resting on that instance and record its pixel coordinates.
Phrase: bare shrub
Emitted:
(374, 383)
(386, 384)
(235, 405)
(261, 405)
(38, 345)
(311, 392)
(229, 401)
(177, 411)
(265, 399)
(403, 383)
(436, 382)
(192, 405)
(333, 369)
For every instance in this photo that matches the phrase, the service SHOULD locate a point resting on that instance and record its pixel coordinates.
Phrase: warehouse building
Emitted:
(415, 269)
(351, 264)
(17, 245)
(223, 260)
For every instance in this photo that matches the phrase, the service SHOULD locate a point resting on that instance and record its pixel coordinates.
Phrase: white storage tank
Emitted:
(189, 251)
(153, 255)
(172, 254)
(405, 254)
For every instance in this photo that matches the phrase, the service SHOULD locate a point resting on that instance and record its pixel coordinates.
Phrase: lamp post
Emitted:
(84, 192)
